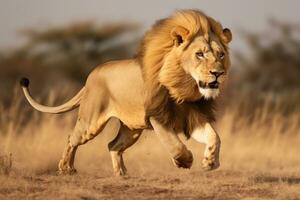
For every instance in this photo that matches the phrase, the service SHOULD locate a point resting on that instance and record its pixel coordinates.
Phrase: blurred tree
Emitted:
(275, 64)
(267, 76)
(66, 54)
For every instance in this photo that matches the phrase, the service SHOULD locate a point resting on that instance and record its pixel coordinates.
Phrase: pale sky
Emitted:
(249, 15)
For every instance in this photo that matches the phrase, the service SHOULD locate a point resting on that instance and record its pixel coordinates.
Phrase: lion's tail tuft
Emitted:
(70, 105)
(24, 82)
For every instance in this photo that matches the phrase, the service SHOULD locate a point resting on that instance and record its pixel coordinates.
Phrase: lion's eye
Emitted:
(200, 54)
(221, 55)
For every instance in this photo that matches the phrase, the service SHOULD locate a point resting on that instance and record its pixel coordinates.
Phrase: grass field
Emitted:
(259, 160)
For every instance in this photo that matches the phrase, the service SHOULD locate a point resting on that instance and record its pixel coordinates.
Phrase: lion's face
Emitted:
(186, 54)
(207, 61)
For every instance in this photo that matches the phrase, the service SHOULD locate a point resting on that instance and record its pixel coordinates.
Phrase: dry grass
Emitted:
(5, 164)
(259, 160)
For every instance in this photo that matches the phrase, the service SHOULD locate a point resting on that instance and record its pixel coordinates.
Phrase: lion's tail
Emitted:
(70, 105)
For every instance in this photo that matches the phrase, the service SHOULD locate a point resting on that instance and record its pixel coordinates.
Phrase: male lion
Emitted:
(170, 87)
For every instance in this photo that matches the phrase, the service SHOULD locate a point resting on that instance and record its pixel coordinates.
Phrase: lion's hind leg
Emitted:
(117, 146)
(66, 164)
(83, 132)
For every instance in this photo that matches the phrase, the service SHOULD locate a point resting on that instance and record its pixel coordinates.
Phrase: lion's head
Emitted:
(185, 57)
(188, 54)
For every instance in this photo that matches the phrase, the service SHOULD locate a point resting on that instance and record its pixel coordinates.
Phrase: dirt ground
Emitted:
(187, 184)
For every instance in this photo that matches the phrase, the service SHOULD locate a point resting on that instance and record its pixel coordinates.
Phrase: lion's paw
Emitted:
(210, 163)
(184, 160)
(120, 172)
(70, 171)
(64, 169)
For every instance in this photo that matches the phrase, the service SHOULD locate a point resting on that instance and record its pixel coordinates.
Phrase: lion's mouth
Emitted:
(211, 85)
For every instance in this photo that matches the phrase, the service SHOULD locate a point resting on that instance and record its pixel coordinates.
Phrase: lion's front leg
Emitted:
(181, 156)
(208, 136)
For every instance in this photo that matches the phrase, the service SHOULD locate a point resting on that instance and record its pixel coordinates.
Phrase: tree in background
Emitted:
(66, 54)
(275, 62)
(268, 77)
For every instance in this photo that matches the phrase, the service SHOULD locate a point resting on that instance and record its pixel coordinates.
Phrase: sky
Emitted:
(251, 15)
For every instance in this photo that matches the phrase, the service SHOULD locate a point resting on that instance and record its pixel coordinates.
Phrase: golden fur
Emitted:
(163, 82)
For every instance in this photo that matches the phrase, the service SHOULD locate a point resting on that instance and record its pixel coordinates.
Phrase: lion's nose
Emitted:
(217, 73)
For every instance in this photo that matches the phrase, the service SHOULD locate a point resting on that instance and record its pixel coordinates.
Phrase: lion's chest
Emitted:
(187, 116)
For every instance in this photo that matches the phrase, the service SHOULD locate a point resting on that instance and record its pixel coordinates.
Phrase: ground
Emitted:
(221, 184)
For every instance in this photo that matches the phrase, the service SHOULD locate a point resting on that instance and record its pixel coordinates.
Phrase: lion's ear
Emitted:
(227, 35)
(179, 35)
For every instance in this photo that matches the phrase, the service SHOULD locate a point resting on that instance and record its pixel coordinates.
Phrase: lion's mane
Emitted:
(172, 95)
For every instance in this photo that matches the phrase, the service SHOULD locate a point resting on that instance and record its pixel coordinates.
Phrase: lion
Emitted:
(169, 87)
